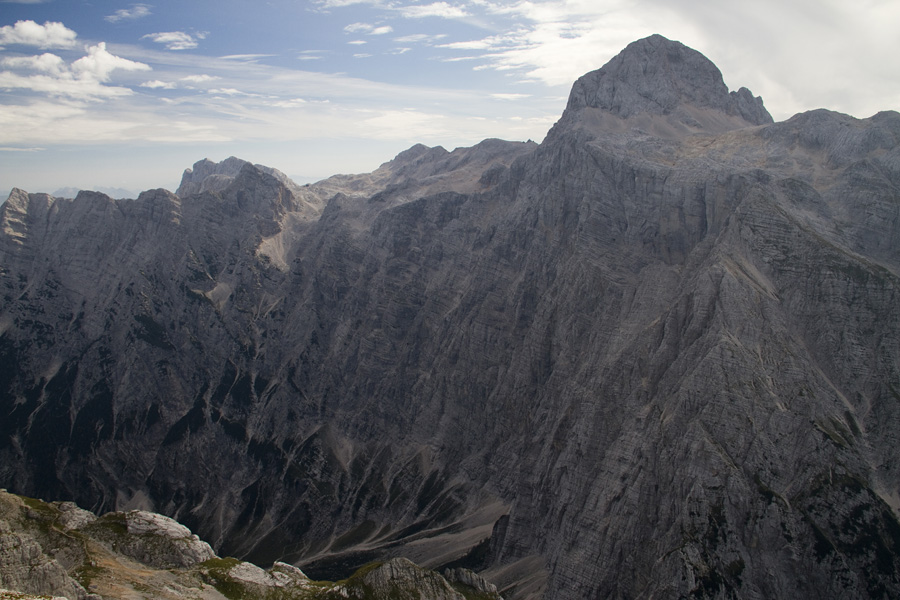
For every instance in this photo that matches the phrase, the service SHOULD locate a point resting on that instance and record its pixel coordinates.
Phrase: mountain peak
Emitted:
(656, 75)
(207, 175)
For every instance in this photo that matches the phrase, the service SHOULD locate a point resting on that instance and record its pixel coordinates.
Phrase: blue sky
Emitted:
(125, 94)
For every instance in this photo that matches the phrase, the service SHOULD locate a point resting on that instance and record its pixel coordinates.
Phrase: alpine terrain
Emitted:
(655, 356)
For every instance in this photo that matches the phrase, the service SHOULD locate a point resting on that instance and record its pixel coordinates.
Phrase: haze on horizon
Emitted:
(124, 94)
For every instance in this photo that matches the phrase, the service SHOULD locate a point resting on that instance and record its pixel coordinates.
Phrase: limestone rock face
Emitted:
(27, 563)
(472, 580)
(209, 176)
(657, 355)
(657, 76)
(74, 517)
(400, 578)
(25, 567)
(160, 541)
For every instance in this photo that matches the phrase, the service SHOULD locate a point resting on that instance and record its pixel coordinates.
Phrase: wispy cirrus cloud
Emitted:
(502, 96)
(246, 58)
(368, 29)
(483, 44)
(326, 4)
(420, 38)
(177, 40)
(187, 82)
(137, 11)
(442, 10)
(310, 55)
(200, 78)
(156, 84)
(28, 33)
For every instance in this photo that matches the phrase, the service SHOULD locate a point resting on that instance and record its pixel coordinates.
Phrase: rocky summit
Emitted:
(657, 355)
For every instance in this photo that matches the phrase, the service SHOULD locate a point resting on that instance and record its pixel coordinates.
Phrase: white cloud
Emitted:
(49, 123)
(310, 55)
(291, 103)
(47, 63)
(171, 85)
(228, 92)
(200, 78)
(156, 84)
(99, 63)
(368, 29)
(358, 28)
(176, 40)
(845, 58)
(556, 41)
(83, 79)
(772, 47)
(49, 35)
(501, 96)
(343, 3)
(136, 11)
(437, 9)
(420, 38)
(35, 122)
(357, 42)
(460, 59)
(85, 89)
(247, 58)
(470, 45)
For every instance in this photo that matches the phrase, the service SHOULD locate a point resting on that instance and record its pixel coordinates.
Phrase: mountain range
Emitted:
(655, 355)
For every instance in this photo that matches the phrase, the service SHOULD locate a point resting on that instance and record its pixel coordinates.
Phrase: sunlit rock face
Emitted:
(657, 355)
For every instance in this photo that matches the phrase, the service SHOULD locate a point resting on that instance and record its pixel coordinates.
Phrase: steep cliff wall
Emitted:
(657, 355)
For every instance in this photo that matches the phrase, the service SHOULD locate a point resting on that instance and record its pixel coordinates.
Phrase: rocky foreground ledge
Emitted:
(58, 550)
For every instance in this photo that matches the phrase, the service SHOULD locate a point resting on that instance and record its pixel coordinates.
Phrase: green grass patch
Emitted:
(42, 509)
(86, 573)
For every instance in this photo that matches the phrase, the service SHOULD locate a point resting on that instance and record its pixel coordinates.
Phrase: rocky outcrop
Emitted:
(162, 542)
(27, 563)
(399, 578)
(139, 553)
(26, 568)
(656, 355)
(472, 580)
